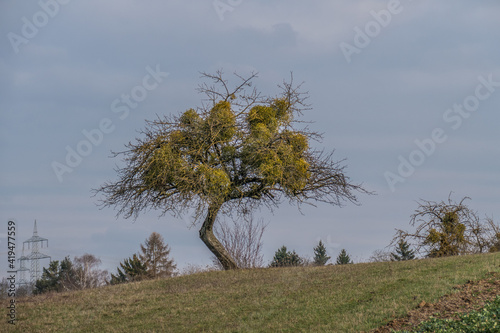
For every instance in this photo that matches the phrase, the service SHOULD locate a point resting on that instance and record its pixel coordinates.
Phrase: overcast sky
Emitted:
(407, 91)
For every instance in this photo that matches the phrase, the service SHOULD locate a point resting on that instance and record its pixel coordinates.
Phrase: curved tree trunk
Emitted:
(208, 237)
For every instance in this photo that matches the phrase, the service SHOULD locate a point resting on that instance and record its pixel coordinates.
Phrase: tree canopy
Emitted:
(237, 151)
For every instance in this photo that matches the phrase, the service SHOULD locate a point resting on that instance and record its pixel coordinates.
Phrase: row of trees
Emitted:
(285, 258)
(441, 229)
(82, 273)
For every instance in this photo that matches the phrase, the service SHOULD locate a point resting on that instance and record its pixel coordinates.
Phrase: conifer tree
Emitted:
(120, 277)
(320, 257)
(132, 269)
(284, 258)
(403, 252)
(49, 280)
(155, 255)
(343, 258)
(57, 277)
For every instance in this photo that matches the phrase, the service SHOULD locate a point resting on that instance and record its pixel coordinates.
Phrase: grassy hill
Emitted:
(347, 298)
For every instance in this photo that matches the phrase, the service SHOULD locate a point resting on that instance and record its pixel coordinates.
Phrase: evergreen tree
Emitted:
(49, 280)
(343, 258)
(155, 255)
(403, 252)
(132, 269)
(320, 257)
(284, 258)
(67, 275)
(120, 277)
(280, 257)
(57, 277)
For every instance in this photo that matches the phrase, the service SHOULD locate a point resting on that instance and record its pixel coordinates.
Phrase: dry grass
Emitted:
(348, 298)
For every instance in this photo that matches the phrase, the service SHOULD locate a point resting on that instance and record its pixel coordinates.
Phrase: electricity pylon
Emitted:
(35, 242)
(22, 271)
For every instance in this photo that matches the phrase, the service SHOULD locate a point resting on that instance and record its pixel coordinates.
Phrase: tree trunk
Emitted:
(208, 237)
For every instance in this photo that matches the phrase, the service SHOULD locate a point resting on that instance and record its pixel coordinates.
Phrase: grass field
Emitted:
(347, 298)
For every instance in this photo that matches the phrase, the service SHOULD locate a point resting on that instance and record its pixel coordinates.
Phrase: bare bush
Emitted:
(380, 256)
(243, 241)
(449, 228)
(195, 269)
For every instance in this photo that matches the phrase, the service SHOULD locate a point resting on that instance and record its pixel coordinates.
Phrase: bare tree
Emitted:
(238, 151)
(485, 236)
(243, 241)
(448, 228)
(155, 254)
(380, 256)
(87, 273)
